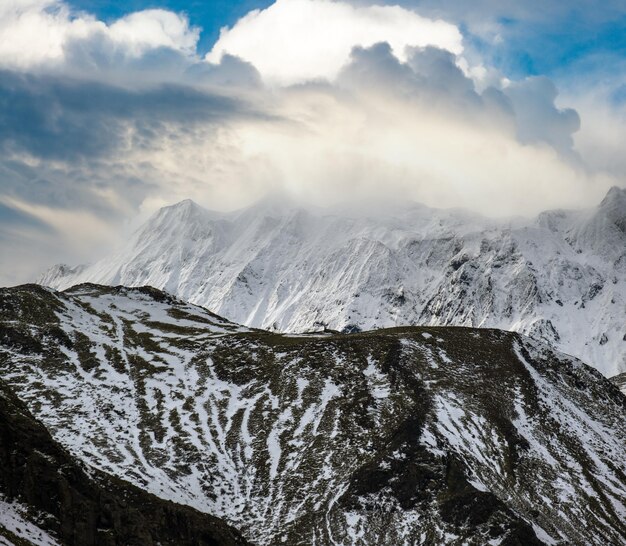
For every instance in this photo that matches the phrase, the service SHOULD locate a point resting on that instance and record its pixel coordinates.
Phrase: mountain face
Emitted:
(419, 435)
(560, 278)
(47, 498)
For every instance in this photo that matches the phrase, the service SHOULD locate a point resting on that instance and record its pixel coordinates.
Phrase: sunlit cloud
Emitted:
(298, 40)
(37, 33)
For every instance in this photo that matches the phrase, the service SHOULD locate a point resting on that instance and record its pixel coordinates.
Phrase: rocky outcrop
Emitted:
(620, 381)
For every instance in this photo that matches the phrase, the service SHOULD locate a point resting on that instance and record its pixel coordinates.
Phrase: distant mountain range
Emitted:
(419, 435)
(560, 277)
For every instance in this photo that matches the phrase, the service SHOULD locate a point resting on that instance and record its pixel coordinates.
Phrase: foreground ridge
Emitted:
(434, 435)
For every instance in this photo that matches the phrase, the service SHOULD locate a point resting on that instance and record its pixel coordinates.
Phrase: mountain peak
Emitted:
(181, 398)
(178, 214)
(58, 271)
(614, 207)
(613, 196)
(186, 205)
(286, 266)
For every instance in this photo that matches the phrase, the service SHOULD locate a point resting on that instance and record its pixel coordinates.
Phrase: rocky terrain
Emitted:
(559, 278)
(620, 381)
(48, 498)
(418, 435)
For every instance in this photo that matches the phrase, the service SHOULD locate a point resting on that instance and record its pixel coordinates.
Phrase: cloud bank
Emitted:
(297, 40)
(326, 100)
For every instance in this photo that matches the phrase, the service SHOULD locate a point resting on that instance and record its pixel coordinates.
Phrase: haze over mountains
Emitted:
(559, 277)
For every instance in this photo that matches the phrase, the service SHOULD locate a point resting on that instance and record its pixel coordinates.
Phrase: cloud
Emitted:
(419, 129)
(140, 50)
(297, 40)
(84, 153)
(50, 117)
(601, 138)
(36, 33)
(429, 74)
(431, 79)
(530, 24)
(231, 71)
(12, 218)
(537, 117)
(48, 235)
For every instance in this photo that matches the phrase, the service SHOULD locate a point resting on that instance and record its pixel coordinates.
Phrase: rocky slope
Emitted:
(48, 499)
(560, 278)
(426, 435)
(620, 381)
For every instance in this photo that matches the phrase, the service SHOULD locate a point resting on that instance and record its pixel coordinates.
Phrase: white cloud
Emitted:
(154, 28)
(36, 33)
(603, 133)
(297, 40)
(347, 148)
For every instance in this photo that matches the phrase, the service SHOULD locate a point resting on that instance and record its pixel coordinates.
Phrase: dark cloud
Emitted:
(230, 72)
(73, 187)
(99, 56)
(537, 117)
(54, 118)
(438, 70)
(75, 134)
(429, 75)
(377, 67)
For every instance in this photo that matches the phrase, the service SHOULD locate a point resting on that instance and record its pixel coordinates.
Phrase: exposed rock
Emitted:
(280, 267)
(401, 436)
(90, 509)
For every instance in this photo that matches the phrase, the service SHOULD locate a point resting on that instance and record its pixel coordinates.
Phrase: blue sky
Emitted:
(554, 48)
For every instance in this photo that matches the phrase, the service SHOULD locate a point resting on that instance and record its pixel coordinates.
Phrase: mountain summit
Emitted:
(560, 278)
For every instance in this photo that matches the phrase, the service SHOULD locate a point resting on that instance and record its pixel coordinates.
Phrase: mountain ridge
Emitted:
(409, 435)
(560, 277)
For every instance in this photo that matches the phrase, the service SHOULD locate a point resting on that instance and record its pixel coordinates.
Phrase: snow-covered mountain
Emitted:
(560, 277)
(429, 435)
(50, 498)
